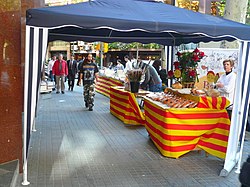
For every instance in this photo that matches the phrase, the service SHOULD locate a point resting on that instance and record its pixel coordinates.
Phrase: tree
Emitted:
(248, 14)
(235, 10)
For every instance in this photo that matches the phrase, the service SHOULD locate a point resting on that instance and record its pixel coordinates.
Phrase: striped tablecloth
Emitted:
(104, 83)
(177, 131)
(124, 106)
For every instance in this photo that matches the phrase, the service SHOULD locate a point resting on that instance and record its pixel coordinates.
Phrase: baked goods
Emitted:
(198, 92)
(213, 93)
(173, 100)
(177, 85)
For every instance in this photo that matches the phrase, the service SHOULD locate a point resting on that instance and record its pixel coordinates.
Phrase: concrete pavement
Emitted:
(76, 147)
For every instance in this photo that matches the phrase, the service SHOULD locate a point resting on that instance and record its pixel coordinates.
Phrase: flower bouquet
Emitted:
(134, 76)
(185, 68)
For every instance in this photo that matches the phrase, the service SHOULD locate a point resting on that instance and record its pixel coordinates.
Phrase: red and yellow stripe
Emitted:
(104, 83)
(213, 102)
(177, 131)
(124, 106)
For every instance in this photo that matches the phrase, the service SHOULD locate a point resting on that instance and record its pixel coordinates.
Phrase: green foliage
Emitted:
(221, 7)
(248, 14)
(124, 46)
(98, 60)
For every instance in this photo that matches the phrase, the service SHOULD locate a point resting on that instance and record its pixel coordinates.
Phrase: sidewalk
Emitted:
(76, 147)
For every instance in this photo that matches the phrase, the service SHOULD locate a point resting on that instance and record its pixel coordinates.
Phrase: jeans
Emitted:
(155, 88)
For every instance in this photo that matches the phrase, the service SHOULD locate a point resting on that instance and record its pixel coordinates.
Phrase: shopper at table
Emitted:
(157, 65)
(88, 74)
(129, 64)
(152, 80)
(119, 65)
(60, 70)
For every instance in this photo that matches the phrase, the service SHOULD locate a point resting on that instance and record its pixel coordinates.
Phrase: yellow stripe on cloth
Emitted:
(188, 121)
(176, 132)
(124, 106)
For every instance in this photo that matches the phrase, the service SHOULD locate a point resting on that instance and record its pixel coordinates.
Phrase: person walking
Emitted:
(50, 66)
(88, 74)
(60, 70)
(72, 70)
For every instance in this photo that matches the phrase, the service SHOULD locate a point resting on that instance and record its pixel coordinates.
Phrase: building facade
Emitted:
(12, 62)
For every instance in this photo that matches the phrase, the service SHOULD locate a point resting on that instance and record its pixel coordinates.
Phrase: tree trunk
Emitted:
(235, 10)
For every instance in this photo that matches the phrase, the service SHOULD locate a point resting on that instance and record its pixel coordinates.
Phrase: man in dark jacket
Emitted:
(72, 70)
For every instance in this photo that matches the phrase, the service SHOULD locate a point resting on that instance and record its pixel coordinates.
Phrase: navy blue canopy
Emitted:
(142, 21)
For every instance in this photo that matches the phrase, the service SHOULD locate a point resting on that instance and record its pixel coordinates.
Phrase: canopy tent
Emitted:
(142, 21)
(133, 20)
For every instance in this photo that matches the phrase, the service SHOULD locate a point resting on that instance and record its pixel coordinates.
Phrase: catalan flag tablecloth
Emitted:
(104, 83)
(124, 106)
(176, 131)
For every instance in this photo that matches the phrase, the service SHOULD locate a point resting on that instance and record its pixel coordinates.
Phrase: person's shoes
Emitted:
(90, 109)
(57, 92)
(86, 105)
(71, 89)
(62, 92)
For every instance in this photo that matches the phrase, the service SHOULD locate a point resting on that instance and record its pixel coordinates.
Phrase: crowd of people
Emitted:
(59, 71)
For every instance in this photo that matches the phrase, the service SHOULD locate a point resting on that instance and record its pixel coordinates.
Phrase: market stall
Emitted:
(104, 83)
(176, 131)
(124, 106)
(70, 23)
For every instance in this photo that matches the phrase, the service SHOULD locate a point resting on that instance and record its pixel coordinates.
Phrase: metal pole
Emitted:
(137, 51)
(101, 55)
(26, 75)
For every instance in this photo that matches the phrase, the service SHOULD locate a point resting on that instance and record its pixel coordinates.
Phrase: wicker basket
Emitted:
(188, 84)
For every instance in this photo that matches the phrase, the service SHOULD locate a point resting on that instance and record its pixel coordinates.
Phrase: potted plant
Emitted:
(185, 68)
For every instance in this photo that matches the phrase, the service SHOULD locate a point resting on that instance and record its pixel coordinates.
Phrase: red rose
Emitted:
(196, 58)
(192, 73)
(170, 73)
(178, 54)
(201, 54)
(176, 64)
(196, 50)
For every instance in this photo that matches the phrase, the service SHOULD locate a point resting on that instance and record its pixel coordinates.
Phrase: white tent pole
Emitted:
(168, 56)
(25, 165)
(101, 55)
(34, 78)
(245, 100)
(231, 154)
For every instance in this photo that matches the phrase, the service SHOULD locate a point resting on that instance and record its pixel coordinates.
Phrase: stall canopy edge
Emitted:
(109, 19)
